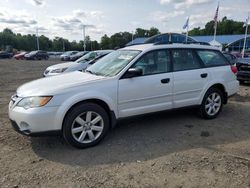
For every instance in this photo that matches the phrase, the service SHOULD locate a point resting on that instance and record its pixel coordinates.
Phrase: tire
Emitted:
(86, 133)
(212, 104)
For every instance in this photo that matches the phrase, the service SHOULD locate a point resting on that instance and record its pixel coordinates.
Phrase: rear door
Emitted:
(190, 77)
(150, 92)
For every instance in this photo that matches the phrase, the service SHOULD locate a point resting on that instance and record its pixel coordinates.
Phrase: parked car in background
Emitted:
(78, 65)
(20, 55)
(66, 55)
(243, 66)
(4, 55)
(36, 55)
(230, 57)
(247, 52)
(166, 38)
(238, 54)
(77, 56)
(136, 80)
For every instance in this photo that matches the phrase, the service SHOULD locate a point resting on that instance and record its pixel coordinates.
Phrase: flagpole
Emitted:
(187, 34)
(186, 26)
(216, 20)
(215, 29)
(245, 39)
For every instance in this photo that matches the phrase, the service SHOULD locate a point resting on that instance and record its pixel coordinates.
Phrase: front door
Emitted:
(150, 92)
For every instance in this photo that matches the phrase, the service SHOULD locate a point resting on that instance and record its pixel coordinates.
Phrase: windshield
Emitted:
(68, 53)
(113, 63)
(33, 52)
(89, 56)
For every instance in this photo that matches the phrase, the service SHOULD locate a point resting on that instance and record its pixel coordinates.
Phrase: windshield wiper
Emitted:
(89, 71)
(94, 73)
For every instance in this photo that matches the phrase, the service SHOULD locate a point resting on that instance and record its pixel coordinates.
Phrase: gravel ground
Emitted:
(167, 149)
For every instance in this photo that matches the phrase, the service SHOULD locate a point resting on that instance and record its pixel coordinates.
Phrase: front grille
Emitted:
(245, 68)
(46, 71)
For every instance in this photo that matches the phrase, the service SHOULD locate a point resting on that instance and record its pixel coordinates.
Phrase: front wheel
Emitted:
(212, 104)
(85, 125)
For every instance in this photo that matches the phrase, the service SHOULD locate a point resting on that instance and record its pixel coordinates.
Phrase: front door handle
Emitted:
(204, 75)
(165, 81)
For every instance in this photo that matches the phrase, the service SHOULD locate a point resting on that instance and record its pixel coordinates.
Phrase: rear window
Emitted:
(212, 58)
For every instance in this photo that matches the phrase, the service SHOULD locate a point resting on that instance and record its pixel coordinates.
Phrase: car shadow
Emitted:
(151, 136)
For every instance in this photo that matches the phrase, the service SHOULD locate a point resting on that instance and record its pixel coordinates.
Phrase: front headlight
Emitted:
(32, 102)
(58, 70)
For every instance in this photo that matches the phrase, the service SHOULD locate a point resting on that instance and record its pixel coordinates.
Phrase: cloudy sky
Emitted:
(65, 18)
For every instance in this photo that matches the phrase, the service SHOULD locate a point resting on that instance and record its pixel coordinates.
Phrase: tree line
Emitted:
(117, 40)
(224, 27)
(29, 42)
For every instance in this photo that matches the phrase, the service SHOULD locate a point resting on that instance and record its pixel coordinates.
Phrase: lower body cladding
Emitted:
(34, 121)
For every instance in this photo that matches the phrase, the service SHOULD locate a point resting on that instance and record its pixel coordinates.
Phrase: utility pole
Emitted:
(245, 38)
(37, 39)
(132, 37)
(63, 45)
(84, 41)
(84, 26)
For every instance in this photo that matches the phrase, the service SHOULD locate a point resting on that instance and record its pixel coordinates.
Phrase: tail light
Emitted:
(234, 69)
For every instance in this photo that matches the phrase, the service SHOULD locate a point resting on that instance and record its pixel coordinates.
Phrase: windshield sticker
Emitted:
(125, 57)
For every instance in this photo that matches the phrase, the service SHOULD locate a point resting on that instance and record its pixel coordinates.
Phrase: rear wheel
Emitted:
(85, 125)
(212, 103)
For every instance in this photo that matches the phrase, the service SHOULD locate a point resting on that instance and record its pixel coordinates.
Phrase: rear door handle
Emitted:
(165, 81)
(204, 75)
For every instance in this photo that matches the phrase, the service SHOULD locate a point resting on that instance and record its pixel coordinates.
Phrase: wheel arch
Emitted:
(102, 103)
(219, 86)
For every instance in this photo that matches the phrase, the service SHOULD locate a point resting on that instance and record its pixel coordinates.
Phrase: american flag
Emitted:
(186, 24)
(216, 16)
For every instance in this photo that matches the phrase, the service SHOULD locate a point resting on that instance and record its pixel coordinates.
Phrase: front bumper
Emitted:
(27, 133)
(243, 75)
(34, 120)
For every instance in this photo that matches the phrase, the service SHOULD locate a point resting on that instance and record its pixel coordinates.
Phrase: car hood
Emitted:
(54, 84)
(61, 65)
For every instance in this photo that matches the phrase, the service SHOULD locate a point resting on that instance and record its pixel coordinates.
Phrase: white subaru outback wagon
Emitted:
(135, 80)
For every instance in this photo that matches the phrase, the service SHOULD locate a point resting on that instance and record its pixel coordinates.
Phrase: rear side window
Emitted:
(212, 58)
(184, 60)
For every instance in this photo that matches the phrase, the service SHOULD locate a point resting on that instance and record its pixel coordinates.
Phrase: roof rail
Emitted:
(195, 42)
(136, 44)
(161, 43)
(191, 42)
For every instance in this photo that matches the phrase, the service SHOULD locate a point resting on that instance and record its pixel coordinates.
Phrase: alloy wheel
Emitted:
(213, 104)
(87, 127)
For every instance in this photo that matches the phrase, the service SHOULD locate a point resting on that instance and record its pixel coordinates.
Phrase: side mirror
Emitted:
(133, 72)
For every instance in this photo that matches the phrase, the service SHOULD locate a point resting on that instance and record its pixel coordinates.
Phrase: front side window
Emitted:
(113, 63)
(212, 58)
(154, 62)
(184, 60)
